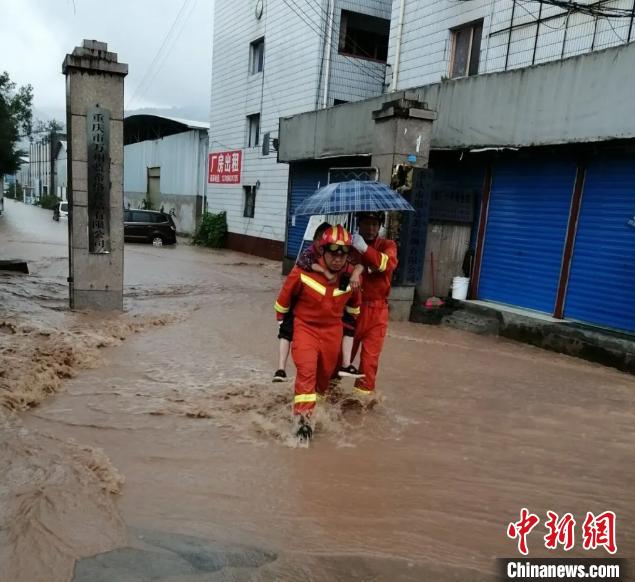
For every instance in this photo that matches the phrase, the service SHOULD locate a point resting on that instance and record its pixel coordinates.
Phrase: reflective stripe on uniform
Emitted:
(353, 310)
(280, 309)
(339, 292)
(384, 262)
(321, 289)
(301, 398)
(363, 391)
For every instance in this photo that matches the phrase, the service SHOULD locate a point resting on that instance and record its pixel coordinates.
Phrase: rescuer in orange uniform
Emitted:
(317, 329)
(379, 256)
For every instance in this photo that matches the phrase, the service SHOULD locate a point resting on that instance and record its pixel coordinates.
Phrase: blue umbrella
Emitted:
(353, 196)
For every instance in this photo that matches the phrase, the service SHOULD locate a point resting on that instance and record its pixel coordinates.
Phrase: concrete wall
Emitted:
(580, 99)
(182, 159)
(426, 41)
(289, 85)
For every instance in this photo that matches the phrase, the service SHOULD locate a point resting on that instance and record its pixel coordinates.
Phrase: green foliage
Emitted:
(15, 191)
(48, 201)
(212, 231)
(16, 120)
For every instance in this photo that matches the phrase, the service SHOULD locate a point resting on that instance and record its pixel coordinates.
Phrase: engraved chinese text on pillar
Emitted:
(98, 143)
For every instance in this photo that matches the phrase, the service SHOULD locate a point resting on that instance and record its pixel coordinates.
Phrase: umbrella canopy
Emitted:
(353, 196)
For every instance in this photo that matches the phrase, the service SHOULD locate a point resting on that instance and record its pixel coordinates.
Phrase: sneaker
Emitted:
(279, 376)
(304, 432)
(350, 372)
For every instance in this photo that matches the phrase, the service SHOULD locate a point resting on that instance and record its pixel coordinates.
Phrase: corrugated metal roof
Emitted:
(189, 123)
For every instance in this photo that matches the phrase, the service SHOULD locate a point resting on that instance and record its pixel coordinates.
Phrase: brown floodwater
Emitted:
(158, 434)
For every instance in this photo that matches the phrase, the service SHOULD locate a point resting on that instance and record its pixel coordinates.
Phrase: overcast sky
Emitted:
(35, 36)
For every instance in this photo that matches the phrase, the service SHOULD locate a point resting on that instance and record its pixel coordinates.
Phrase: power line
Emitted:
(328, 20)
(594, 9)
(309, 22)
(160, 55)
(537, 20)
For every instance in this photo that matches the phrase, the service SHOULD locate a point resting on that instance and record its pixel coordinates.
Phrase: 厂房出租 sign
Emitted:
(225, 167)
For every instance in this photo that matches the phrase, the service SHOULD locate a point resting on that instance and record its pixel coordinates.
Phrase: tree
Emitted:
(48, 127)
(16, 119)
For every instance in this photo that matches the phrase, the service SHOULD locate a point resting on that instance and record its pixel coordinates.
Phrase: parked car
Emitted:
(149, 226)
(60, 211)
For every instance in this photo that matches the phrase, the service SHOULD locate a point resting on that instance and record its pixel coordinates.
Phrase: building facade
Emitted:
(542, 154)
(165, 167)
(431, 40)
(61, 170)
(43, 168)
(276, 58)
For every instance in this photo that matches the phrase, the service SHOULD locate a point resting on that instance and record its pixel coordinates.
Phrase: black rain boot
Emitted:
(305, 432)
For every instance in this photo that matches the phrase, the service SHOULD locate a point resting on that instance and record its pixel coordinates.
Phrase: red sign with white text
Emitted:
(225, 167)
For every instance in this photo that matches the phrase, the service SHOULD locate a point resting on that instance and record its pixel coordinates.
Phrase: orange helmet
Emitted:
(336, 236)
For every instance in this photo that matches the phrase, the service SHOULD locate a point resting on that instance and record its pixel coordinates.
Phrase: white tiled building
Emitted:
(448, 38)
(277, 58)
(271, 59)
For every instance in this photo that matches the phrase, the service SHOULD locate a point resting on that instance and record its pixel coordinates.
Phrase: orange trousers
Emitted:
(315, 352)
(370, 332)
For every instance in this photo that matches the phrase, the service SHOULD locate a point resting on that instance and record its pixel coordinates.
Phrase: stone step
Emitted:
(474, 323)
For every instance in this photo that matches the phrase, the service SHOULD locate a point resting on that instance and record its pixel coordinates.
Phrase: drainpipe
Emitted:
(329, 51)
(395, 73)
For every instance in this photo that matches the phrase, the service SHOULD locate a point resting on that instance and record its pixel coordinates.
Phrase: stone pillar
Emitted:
(401, 137)
(94, 125)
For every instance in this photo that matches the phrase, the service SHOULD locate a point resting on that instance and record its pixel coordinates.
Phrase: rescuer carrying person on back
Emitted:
(319, 304)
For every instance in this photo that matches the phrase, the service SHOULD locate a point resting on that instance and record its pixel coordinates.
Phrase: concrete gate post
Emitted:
(94, 122)
(401, 136)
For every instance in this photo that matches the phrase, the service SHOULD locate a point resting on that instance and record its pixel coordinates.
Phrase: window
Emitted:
(257, 56)
(250, 201)
(364, 36)
(466, 49)
(253, 130)
(140, 216)
(339, 101)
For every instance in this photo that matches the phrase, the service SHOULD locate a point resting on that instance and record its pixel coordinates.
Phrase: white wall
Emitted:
(61, 177)
(177, 156)
(426, 46)
(353, 79)
(289, 85)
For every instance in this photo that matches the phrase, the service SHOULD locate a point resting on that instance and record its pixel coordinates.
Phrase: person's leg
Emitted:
(285, 335)
(285, 348)
(304, 350)
(331, 340)
(360, 331)
(372, 345)
(347, 350)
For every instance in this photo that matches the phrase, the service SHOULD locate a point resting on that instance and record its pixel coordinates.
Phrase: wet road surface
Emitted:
(470, 430)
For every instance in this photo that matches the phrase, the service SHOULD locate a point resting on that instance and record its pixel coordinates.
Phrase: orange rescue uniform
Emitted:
(317, 330)
(381, 260)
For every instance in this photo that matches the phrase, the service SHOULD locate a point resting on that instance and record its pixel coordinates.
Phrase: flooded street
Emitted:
(155, 441)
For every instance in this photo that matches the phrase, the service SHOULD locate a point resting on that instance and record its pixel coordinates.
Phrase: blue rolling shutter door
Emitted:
(601, 286)
(305, 178)
(527, 221)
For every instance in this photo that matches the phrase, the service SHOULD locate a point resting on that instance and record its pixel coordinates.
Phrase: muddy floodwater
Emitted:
(152, 445)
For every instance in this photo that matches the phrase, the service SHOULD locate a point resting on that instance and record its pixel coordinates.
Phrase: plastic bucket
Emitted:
(460, 286)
